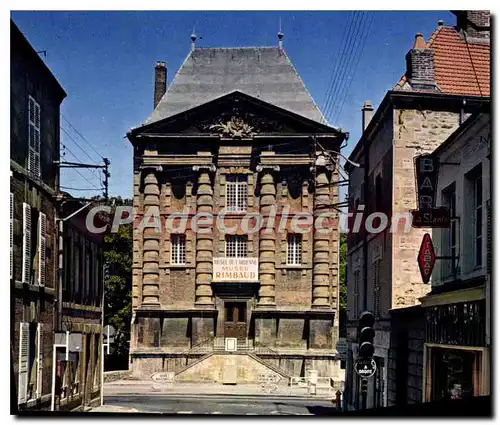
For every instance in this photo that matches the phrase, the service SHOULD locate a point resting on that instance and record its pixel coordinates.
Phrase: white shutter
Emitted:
(26, 242)
(23, 362)
(34, 137)
(39, 359)
(11, 233)
(42, 247)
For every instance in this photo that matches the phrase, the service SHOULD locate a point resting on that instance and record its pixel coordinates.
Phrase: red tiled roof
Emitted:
(455, 72)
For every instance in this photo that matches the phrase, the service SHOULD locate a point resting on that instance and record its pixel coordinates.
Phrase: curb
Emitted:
(216, 395)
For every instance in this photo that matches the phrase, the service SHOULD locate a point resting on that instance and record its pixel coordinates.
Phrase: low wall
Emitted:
(116, 375)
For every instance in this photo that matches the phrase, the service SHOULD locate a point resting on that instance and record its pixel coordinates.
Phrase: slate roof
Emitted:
(460, 68)
(262, 72)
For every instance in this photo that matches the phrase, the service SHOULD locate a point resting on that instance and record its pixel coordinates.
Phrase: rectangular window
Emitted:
(357, 274)
(34, 137)
(376, 287)
(450, 236)
(236, 193)
(178, 251)
(378, 194)
(294, 250)
(26, 275)
(236, 246)
(478, 221)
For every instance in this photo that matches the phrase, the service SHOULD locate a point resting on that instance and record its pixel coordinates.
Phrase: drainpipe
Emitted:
(365, 235)
(462, 111)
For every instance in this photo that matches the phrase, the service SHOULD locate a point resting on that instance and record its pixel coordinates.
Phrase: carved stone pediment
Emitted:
(238, 124)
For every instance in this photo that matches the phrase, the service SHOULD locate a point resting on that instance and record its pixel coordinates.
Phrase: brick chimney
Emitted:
(420, 65)
(366, 114)
(475, 23)
(160, 81)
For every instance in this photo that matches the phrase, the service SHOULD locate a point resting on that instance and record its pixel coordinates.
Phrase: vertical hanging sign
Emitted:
(426, 167)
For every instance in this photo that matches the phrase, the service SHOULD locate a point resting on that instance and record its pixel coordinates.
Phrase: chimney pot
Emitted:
(160, 81)
(419, 41)
(366, 114)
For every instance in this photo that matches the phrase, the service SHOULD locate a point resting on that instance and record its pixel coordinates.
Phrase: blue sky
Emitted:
(105, 62)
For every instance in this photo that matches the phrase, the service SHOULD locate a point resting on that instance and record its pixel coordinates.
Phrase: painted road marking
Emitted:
(216, 413)
(185, 412)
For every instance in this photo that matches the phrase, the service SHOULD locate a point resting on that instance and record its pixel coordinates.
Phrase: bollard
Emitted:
(312, 389)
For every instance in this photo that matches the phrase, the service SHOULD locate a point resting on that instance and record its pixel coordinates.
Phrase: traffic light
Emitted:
(364, 386)
(106, 272)
(366, 335)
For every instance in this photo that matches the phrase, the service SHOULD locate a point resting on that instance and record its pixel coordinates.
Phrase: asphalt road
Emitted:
(219, 405)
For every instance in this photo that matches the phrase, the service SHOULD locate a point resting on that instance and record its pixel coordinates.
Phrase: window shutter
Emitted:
(42, 247)
(26, 242)
(23, 362)
(489, 257)
(11, 233)
(39, 357)
(34, 138)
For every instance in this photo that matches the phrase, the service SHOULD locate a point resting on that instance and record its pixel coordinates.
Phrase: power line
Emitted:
(473, 67)
(78, 171)
(81, 135)
(79, 188)
(336, 65)
(76, 143)
(343, 62)
(348, 63)
(355, 67)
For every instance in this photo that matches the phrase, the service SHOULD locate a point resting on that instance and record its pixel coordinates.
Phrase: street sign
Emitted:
(163, 376)
(365, 368)
(434, 218)
(426, 258)
(108, 334)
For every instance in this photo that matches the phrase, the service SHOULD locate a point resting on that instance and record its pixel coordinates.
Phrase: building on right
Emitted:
(447, 79)
(457, 310)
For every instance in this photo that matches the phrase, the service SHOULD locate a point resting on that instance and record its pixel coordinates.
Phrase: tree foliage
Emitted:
(118, 282)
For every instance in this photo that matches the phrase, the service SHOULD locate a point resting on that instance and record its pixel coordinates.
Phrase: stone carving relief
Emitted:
(238, 124)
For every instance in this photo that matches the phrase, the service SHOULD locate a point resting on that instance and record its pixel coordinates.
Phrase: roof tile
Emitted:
(460, 67)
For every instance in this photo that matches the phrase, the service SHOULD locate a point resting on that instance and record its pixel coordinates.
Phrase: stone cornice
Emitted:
(37, 182)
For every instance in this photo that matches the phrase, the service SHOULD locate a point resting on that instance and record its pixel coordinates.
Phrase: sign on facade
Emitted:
(426, 258)
(426, 168)
(231, 344)
(434, 218)
(235, 269)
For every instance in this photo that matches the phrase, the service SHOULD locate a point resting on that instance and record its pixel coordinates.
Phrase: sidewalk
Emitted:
(123, 387)
(113, 409)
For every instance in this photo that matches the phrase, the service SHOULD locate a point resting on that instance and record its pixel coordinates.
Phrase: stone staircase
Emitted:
(215, 361)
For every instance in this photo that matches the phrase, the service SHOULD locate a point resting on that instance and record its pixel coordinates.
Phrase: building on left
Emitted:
(56, 289)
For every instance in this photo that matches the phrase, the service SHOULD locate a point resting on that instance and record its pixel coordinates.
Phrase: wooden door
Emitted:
(235, 321)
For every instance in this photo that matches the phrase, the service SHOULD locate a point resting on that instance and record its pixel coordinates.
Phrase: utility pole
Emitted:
(106, 177)
(60, 238)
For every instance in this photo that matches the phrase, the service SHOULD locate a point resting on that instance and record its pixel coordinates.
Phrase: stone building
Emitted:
(40, 307)
(447, 78)
(236, 133)
(458, 307)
